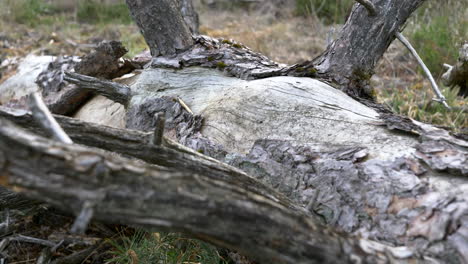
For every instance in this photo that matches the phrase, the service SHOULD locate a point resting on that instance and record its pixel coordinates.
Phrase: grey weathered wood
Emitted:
(44, 117)
(162, 25)
(368, 183)
(119, 92)
(282, 233)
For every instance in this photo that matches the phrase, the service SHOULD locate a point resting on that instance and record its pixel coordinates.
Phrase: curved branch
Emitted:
(45, 118)
(435, 88)
(369, 6)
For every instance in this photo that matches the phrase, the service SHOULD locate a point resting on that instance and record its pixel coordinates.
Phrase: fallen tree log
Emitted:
(130, 192)
(332, 156)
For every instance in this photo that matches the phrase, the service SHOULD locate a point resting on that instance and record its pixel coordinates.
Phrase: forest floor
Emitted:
(283, 36)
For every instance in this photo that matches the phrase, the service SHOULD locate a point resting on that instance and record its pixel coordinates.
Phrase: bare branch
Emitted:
(33, 240)
(115, 91)
(84, 217)
(440, 97)
(44, 117)
(369, 6)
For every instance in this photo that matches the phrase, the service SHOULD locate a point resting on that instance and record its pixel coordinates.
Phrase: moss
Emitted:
(237, 46)
(300, 69)
(226, 41)
(201, 151)
(312, 71)
(211, 58)
(221, 65)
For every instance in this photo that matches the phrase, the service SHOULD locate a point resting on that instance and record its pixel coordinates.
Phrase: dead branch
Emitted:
(440, 97)
(117, 92)
(44, 117)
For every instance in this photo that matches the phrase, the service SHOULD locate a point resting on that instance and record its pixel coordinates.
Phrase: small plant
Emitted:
(171, 248)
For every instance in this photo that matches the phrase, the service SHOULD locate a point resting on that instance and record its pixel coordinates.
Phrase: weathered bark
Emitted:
(162, 25)
(349, 61)
(215, 209)
(103, 62)
(457, 75)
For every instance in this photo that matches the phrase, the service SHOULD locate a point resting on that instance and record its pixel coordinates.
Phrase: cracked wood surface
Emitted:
(175, 200)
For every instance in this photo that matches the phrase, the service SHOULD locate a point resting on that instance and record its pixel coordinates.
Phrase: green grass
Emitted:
(416, 102)
(438, 30)
(93, 12)
(171, 248)
(28, 12)
(329, 11)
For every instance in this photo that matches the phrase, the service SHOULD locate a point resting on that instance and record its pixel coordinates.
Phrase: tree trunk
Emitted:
(162, 25)
(349, 61)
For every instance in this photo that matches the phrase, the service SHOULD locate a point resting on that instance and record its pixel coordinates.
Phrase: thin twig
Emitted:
(44, 117)
(369, 6)
(184, 105)
(440, 97)
(33, 240)
(82, 220)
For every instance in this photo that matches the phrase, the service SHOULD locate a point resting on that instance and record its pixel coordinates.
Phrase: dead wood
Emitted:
(366, 190)
(118, 92)
(282, 233)
(104, 63)
(457, 75)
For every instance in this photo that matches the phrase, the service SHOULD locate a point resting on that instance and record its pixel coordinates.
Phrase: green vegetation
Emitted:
(144, 247)
(416, 102)
(28, 12)
(92, 11)
(329, 11)
(438, 30)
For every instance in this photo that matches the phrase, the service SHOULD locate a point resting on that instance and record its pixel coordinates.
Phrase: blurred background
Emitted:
(287, 31)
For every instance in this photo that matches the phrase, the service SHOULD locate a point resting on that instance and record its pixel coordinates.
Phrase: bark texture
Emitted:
(162, 25)
(190, 15)
(216, 210)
